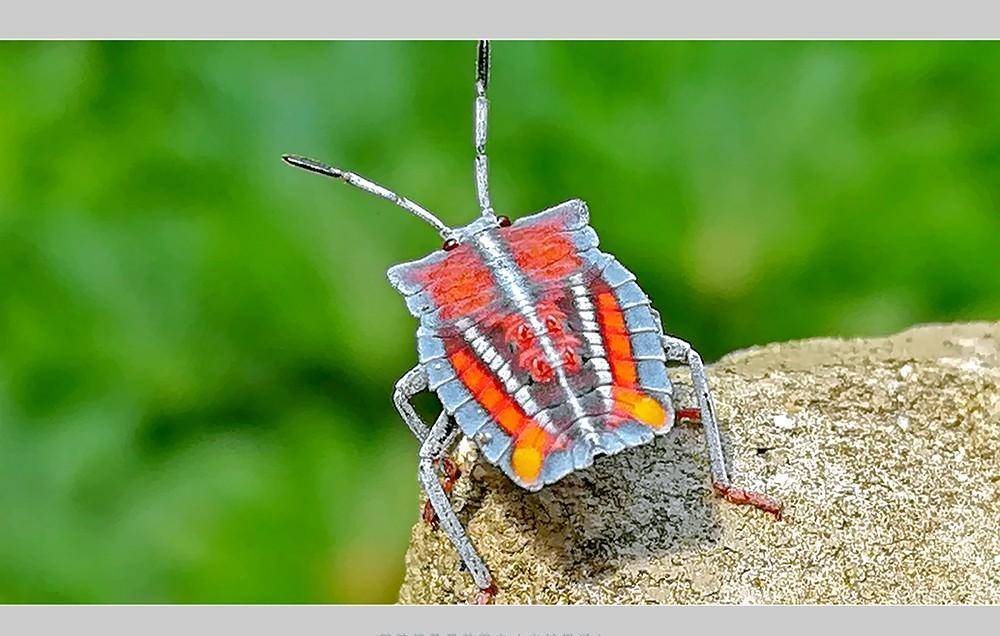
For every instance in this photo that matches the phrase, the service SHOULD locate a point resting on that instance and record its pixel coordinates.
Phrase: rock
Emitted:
(884, 452)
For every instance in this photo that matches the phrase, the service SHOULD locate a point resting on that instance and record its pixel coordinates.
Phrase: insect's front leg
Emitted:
(434, 448)
(678, 350)
(414, 381)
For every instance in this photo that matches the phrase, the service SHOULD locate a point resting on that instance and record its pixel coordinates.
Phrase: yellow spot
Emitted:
(528, 456)
(527, 462)
(649, 411)
(641, 407)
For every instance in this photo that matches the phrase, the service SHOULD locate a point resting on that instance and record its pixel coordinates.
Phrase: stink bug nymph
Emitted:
(541, 348)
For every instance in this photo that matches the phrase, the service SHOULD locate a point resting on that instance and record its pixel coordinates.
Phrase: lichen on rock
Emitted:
(883, 451)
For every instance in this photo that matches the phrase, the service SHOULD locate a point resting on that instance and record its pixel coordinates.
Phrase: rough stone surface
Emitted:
(884, 452)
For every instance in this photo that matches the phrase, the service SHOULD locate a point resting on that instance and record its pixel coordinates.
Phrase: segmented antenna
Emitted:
(480, 127)
(370, 187)
(481, 167)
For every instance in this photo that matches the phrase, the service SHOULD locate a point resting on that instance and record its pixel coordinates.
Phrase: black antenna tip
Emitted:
(483, 63)
(312, 166)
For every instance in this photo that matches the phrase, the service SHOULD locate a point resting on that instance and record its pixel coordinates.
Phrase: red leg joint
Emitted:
(688, 415)
(743, 497)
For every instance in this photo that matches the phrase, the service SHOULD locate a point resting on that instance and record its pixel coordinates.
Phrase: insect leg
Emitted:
(435, 446)
(413, 381)
(678, 350)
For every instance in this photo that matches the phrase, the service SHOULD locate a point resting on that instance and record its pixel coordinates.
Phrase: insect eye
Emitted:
(503, 221)
(450, 244)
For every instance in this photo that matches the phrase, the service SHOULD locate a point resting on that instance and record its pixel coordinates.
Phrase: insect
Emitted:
(541, 348)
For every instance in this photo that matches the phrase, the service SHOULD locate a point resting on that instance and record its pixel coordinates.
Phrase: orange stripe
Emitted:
(629, 402)
(488, 391)
(616, 340)
(510, 417)
(492, 398)
(531, 442)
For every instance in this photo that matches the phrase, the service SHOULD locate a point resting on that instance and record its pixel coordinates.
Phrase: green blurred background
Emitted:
(197, 343)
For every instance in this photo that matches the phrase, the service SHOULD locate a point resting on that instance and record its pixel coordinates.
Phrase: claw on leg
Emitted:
(742, 497)
(485, 595)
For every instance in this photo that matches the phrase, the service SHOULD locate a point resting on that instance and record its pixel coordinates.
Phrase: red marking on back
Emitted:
(543, 251)
(529, 354)
(460, 284)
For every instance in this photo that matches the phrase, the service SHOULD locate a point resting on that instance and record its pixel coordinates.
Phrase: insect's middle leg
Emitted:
(678, 350)
(434, 448)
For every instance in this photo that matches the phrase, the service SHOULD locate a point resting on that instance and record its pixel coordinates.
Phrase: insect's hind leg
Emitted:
(678, 350)
(439, 439)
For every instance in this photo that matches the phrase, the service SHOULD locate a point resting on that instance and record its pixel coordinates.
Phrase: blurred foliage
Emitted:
(197, 343)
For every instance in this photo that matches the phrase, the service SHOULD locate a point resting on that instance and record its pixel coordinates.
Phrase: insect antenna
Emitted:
(370, 187)
(480, 127)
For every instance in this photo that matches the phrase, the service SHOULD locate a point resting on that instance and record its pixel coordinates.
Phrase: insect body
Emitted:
(541, 348)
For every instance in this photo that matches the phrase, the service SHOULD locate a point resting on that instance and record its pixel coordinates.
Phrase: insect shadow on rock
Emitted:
(595, 521)
(542, 349)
